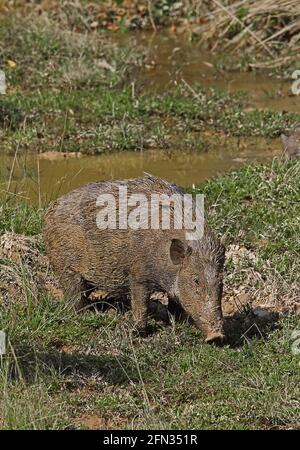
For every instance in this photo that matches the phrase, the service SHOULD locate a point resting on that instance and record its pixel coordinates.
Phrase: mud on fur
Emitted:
(135, 262)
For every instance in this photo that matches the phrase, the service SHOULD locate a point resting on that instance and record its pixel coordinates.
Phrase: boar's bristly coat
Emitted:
(135, 261)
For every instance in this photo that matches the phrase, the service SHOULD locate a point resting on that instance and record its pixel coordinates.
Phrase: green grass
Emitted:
(49, 57)
(91, 365)
(170, 380)
(98, 120)
(201, 21)
(261, 203)
(20, 218)
(72, 91)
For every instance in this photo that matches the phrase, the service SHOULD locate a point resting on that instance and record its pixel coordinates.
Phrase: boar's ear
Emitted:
(178, 251)
(284, 139)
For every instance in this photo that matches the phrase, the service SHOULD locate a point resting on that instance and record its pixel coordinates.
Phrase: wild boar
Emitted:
(135, 262)
(291, 144)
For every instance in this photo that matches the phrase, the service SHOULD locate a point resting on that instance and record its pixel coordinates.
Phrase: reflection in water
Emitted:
(51, 177)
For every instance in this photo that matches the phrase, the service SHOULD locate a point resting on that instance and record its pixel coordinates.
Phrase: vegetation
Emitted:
(80, 91)
(75, 85)
(88, 370)
(97, 120)
(267, 32)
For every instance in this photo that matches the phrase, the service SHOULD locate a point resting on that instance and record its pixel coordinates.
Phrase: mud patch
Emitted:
(54, 156)
(92, 421)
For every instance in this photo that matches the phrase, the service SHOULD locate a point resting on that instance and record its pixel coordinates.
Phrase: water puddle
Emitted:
(171, 58)
(43, 179)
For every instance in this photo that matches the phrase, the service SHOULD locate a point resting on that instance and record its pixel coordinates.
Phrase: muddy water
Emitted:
(43, 179)
(170, 59)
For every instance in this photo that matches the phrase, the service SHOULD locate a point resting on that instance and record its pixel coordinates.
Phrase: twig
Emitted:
(245, 26)
(151, 16)
(14, 163)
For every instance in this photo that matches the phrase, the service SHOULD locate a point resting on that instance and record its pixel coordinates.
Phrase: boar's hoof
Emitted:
(215, 338)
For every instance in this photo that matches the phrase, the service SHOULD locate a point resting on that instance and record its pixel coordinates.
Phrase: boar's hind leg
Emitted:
(139, 297)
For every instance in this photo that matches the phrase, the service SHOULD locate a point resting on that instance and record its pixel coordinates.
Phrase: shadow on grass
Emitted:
(244, 325)
(239, 328)
(10, 117)
(73, 367)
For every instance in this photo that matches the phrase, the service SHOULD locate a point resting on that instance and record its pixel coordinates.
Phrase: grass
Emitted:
(100, 120)
(268, 29)
(71, 91)
(72, 86)
(39, 54)
(92, 372)
(261, 203)
(20, 217)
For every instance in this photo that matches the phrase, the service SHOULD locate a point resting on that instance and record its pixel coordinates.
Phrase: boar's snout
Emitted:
(216, 338)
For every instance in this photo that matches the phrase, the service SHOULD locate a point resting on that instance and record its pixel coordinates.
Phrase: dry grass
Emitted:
(270, 26)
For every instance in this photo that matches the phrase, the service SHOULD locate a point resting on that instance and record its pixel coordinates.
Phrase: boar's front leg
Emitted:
(139, 297)
(74, 289)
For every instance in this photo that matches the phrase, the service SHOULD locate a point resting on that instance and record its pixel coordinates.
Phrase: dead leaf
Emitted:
(12, 64)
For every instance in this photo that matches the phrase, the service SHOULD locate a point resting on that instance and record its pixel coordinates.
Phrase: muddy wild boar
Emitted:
(136, 262)
(291, 144)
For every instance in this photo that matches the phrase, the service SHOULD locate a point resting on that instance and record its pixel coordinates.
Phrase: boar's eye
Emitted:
(196, 280)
